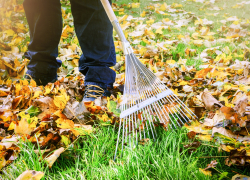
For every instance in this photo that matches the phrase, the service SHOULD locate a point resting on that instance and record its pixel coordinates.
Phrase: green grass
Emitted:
(92, 158)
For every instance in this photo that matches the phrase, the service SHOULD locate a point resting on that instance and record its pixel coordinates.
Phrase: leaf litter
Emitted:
(206, 66)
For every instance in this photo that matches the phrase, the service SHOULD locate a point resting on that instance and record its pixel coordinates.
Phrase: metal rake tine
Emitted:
(133, 128)
(164, 114)
(117, 143)
(176, 108)
(139, 122)
(123, 134)
(151, 124)
(152, 117)
(146, 124)
(169, 110)
(180, 110)
(187, 109)
(178, 116)
(129, 131)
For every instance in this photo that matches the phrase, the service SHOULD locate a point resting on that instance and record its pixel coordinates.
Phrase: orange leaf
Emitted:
(202, 73)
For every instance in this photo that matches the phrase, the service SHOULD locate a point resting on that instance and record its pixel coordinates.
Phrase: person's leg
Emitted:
(45, 25)
(95, 34)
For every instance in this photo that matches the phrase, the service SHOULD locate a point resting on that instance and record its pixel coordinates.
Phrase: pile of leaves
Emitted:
(49, 117)
(205, 63)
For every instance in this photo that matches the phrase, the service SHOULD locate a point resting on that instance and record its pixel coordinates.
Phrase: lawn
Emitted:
(91, 156)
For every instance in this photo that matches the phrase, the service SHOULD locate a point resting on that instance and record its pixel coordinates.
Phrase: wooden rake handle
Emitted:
(109, 10)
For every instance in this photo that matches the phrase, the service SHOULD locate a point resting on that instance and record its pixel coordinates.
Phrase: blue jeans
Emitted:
(94, 32)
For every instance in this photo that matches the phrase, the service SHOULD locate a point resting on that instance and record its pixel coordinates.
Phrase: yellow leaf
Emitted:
(61, 101)
(151, 21)
(64, 123)
(183, 83)
(206, 137)
(9, 32)
(153, 68)
(180, 36)
(206, 172)
(236, 22)
(37, 94)
(159, 30)
(11, 127)
(82, 130)
(142, 51)
(149, 33)
(246, 89)
(163, 7)
(199, 21)
(66, 141)
(135, 5)
(233, 36)
(143, 14)
(175, 91)
(26, 125)
(170, 62)
(198, 128)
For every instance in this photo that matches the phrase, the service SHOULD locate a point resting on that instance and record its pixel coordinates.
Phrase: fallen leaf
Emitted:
(209, 101)
(53, 157)
(31, 175)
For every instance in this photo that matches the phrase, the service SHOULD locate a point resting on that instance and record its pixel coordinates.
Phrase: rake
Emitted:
(146, 100)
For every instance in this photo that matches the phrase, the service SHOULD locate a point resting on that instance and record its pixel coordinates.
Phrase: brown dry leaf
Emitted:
(241, 105)
(191, 135)
(47, 106)
(223, 131)
(6, 115)
(31, 175)
(211, 165)
(238, 158)
(218, 117)
(8, 142)
(209, 101)
(230, 114)
(192, 146)
(75, 109)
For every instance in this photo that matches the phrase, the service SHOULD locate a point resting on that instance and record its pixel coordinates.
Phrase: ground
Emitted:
(198, 48)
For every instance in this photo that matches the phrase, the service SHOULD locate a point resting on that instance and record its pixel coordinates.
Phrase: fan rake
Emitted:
(146, 100)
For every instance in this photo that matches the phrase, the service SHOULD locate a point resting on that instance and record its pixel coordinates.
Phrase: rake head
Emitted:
(147, 101)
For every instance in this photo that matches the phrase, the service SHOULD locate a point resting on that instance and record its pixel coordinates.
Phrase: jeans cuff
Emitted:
(46, 79)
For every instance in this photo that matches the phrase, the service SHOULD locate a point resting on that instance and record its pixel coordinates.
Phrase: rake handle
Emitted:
(109, 10)
(112, 17)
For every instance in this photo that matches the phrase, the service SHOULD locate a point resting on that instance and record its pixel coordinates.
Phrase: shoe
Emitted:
(93, 91)
(40, 82)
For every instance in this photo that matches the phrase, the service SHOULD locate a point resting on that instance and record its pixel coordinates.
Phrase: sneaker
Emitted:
(93, 91)
(39, 82)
